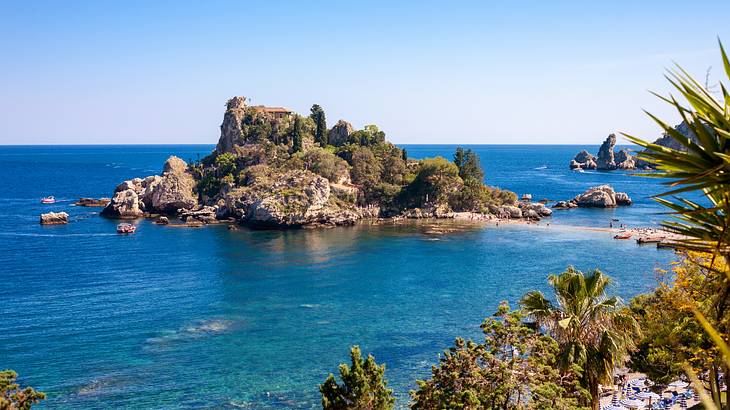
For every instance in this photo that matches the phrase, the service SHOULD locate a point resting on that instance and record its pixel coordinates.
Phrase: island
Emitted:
(274, 168)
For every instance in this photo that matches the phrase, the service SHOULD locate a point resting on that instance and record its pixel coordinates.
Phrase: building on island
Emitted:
(276, 112)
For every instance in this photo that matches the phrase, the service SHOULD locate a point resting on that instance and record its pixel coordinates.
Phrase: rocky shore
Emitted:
(602, 196)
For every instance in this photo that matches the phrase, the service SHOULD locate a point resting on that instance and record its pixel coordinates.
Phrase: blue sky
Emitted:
(425, 72)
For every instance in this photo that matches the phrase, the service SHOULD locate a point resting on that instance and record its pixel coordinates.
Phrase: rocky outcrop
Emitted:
(608, 159)
(92, 202)
(605, 159)
(534, 210)
(54, 218)
(339, 134)
(231, 132)
(602, 196)
(290, 199)
(164, 194)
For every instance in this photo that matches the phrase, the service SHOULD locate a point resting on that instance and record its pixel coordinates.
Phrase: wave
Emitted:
(542, 167)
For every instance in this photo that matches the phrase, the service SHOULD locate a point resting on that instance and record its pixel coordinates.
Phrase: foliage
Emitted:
(436, 180)
(367, 137)
(326, 164)
(468, 163)
(591, 328)
(15, 397)
(515, 368)
(363, 386)
(225, 164)
(702, 166)
(320, 132)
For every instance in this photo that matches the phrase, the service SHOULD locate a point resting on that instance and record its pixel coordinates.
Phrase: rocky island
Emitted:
(275, 168)
(608, 159)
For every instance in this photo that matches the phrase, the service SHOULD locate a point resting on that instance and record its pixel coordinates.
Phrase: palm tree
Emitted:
(592, 329)
(701, 166)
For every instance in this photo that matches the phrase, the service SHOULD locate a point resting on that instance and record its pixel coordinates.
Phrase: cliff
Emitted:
(275, 168)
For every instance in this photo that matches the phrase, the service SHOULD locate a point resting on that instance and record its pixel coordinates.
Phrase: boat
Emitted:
(48, 200)
(622, 235)
(650, 239)
(126, 228)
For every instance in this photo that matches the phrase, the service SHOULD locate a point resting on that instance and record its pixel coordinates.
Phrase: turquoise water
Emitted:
(211, 318)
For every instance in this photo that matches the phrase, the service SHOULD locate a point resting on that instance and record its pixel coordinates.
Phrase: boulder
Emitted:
(54, 218)
(340, 133)
(174, 191)
(565, 205)
(92, 202)
(206, 214)
(605, 160)
(124, 205)
(583, 160)
(624, 160)
(164, 194)
(623, 199)
(602, 196)
(163, 220)
(510, 211)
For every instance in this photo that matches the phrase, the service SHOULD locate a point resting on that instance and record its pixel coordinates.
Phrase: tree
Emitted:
(436, 180)
(363, 386)
(700, 166)
(592, 330)
(515, 368)
(468, 163)
(14, 397)
(320, 133)
(368, 136)
(671, 336)
(296, 134)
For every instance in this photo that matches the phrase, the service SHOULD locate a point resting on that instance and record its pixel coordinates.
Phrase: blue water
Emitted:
(211, 318)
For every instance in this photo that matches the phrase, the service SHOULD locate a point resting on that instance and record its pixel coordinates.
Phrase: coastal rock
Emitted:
(340, 133)
(605, 160)
(124, 205)
(174, 191)
(54, 218)
(602, 196)
(164, 194)
(583, 160)
(163, 220)
(623, 199)
(624, 160)
(565, 205)
(206, 214)
(92, 202)
(290, 199)
(231, 132)
(509, 211)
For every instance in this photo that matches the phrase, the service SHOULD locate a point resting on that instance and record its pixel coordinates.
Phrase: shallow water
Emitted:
(208, 317)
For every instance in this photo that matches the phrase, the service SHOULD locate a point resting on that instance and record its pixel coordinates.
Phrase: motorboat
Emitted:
(126, 228)
(48, 200)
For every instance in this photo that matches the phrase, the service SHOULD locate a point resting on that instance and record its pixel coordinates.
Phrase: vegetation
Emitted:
(468, 163)
(320, 123)
(592, 330)
(15, 397)
(363, 386)
(702, 167)
(515, 368)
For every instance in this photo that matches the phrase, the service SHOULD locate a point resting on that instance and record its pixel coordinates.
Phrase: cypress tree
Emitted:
(320, 133)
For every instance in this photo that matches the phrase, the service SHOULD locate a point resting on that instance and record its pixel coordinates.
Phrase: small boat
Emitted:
(650, 239)
(126, 228)
(48, 200)
(622, 235)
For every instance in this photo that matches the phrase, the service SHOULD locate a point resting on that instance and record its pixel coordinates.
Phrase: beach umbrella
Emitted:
(682, 402)
(678, 384)
(614, 399)
(647, 395)
(614, 407)
(633, 403)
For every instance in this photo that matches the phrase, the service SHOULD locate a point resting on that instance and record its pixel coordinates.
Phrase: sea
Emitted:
(256, 319)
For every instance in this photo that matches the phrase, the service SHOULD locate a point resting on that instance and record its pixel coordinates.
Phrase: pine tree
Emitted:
(363, 386)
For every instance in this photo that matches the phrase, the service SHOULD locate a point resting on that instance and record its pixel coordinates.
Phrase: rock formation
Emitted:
(92, 202)
(231, 132)
(602, 196)
(164, 194)
(608, 159)
(339, 134)
(54, 218)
